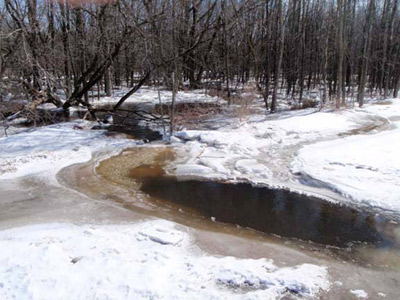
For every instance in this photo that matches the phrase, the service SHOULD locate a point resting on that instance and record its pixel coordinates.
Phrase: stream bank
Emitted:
(124, 189)
(367, 265)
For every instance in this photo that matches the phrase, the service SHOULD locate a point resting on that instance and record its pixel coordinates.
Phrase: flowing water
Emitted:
(134, 180)
(352, 234)
(274, 211)
(360, 248)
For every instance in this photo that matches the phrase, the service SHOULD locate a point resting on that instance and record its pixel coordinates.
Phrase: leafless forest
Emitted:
(342, 48)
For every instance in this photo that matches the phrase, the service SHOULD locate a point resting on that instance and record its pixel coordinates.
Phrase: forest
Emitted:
(199, 149)
(344, 49)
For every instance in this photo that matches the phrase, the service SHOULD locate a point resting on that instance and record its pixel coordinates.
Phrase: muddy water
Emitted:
(119, 179)
(340, 231)
(135, 180)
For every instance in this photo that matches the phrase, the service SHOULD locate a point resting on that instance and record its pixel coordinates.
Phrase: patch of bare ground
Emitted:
(373, 124)
(305, 103)
(8, 108)
(383, 103)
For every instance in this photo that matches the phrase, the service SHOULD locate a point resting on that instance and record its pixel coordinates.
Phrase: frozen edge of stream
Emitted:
(205, 155)
(41, 261)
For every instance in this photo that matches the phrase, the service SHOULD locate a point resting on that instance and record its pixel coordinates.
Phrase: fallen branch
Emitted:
(132, 91)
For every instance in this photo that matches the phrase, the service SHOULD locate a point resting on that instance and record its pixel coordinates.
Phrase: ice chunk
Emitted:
(359, 293)
(252, 166)
(162, 235)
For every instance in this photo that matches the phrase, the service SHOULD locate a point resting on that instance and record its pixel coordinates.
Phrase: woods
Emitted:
(199, 149)
(342, 49)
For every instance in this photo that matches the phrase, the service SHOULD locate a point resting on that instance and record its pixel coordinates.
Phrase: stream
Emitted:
(345, 232)
(129, 187)
(274, 211)
(361, 248)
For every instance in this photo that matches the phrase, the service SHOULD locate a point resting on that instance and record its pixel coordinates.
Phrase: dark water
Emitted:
(126, 123)
(137, 132)
(123, 123)
(274, 211)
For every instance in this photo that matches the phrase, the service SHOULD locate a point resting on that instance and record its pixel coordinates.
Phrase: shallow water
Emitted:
(119, 180)
(132, 186)
(273, 211)
(355, 235)
(137, 132)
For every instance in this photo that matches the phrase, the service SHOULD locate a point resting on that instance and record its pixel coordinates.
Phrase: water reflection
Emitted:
(272, 211)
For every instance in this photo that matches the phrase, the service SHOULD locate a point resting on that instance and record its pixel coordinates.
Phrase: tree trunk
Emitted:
(65, 29)
(384, 67)
(280, 47)
(366, 50)
(226, 52)
(33, 42)
(339, 101)
(107, 82)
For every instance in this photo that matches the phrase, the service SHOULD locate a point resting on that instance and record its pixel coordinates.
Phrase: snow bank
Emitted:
(388, 109)
(150, 260)
(148, 95)
(51, 148)
(248, 152)
(316, 122)
(365, 168)
(359, 293)
(362, 168)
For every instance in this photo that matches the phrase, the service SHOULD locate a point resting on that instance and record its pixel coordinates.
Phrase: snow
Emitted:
(353, 153)
(361, 168)
(148, 260)
(48, 149)
(359, 293)
(192, 170)
(364, 168)
(149, 95)
(316, 122)
(390, 109)
(251, 166)
(152, 259)
(245, 152)
(383, 295)
(159, 259)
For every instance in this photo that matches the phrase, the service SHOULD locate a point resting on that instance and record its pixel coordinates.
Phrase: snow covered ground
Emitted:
(149, 260)
(48, 149)
(354, 152)
(365, 168)
(152, 259)
(149, 96)
(362, 168)
(243, 152)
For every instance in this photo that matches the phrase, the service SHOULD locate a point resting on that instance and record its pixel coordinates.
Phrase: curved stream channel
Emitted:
(361, 248)
(279, 213)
